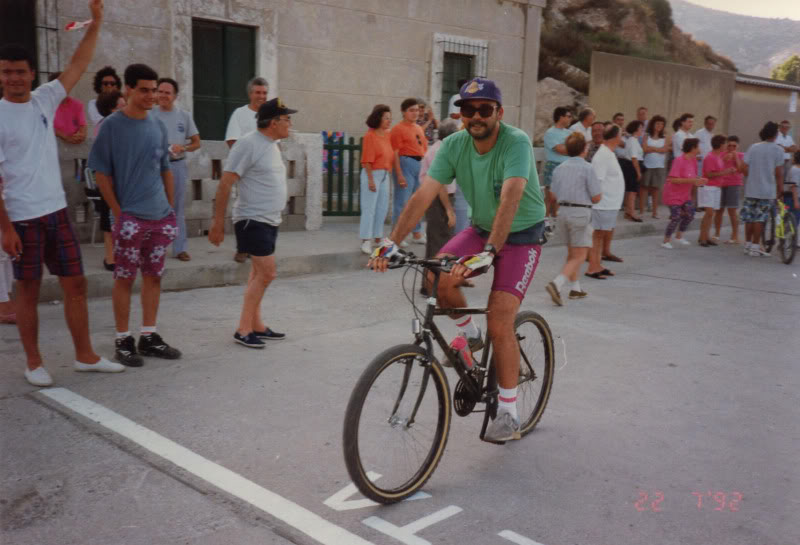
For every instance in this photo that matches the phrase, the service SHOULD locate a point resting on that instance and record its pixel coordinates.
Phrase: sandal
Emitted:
(612, 257)
(606, 272)
(597, 275)
(731, 241)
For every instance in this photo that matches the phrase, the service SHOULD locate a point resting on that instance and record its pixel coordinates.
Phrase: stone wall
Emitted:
(302, 154)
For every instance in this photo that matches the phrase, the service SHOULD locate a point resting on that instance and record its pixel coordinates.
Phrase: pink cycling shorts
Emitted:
(514, 266)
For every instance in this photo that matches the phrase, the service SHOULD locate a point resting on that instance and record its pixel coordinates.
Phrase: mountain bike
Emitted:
(399, 413)
(781, 228)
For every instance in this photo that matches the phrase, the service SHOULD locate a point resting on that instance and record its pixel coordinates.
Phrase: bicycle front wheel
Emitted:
(787, 245)
(768, 233)
(396, 424)
(537, 361)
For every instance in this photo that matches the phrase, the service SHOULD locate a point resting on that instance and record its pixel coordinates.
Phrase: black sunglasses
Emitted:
(486, 110)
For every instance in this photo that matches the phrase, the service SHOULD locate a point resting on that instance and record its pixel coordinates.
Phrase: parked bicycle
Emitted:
(398, 417)
(781, 228)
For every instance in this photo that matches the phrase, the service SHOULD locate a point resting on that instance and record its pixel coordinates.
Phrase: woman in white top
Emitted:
(105, 81)
(631, 163)
(655, 146)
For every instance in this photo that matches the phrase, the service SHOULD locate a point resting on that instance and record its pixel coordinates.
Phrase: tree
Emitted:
(662, 12)
(789, 70)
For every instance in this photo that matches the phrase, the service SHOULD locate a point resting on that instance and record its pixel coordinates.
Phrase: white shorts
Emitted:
(709, 197)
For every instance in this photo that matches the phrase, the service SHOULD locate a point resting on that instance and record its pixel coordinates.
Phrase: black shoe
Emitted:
(126, 352)
(153, 345)
(250, 340)
(108, 266)
(269, 335)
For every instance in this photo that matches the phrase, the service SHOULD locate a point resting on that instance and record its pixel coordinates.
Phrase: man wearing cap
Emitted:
(493, 164)
(256, 166)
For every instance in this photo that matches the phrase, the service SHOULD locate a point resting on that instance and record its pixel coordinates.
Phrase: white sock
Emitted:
(507, 401)
(468, 328)
(123, 334)
(559, 281)
(148, 329)
(576, 286)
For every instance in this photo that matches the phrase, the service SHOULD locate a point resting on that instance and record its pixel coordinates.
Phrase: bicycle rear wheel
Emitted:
(768, 233)
(396, 424)
(537, 361)
(787, 245)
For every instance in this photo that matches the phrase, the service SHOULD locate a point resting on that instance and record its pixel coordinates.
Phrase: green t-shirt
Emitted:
(481, 177)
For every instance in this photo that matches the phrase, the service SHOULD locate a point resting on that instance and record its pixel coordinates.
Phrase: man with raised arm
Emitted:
(493, 164)
(35, 226)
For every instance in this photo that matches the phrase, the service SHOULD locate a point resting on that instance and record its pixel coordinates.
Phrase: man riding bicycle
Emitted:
(493, 164)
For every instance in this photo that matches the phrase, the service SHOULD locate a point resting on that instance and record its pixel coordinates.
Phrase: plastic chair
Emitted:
(93, 194)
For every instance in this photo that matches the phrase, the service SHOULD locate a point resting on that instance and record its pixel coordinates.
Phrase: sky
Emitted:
(764, 8)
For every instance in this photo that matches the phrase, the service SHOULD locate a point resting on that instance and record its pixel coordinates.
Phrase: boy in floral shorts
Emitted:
(134, 177)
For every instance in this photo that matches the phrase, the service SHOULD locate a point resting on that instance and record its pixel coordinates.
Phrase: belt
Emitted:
(574, 205)
(176, 160)
(415, 157)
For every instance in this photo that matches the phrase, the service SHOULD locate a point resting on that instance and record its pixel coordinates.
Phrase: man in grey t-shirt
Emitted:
(764, 183)
(183, 136)
(256, 166)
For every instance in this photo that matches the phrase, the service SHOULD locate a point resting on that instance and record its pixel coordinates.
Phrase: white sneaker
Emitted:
(666, 245)
(102, 366)
(746, 248)
(683, 241)
(421, 240)
(39, 376)
(366, 247)
(756, 252)
(404, 244)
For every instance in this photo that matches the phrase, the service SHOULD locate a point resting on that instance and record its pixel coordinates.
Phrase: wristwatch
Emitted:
(490, 248)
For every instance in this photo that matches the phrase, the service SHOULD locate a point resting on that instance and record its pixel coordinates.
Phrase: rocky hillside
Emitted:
(572, 29)
(758, 44)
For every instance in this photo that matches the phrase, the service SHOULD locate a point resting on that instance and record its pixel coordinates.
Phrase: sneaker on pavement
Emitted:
(574, 294)
(421, 240)
(269, 335)
(126, 352)
(503, 428)
(555, 295)
(250, 340)
(153, 345)
(757, 252)
(102, 366)
(366, 247)
(38, 376)
(667, 245)
(683, 241)
(404, 244)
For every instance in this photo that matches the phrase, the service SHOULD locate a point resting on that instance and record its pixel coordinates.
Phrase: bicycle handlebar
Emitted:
(444, 264)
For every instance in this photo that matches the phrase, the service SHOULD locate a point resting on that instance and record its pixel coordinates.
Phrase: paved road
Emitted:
(676, 382)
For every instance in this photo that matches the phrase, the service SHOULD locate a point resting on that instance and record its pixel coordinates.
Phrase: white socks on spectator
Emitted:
(468, 328)
(559, 281)
(507, 401)
(148, 330)
(123, 334)
(576, 286)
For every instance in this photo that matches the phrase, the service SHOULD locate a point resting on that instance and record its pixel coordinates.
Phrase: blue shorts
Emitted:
(255, 237)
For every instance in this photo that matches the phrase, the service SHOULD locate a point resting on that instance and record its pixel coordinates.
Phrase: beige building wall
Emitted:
(753, 105)
(622, 84)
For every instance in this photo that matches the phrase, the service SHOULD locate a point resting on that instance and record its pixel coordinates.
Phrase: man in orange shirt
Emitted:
(409, 144)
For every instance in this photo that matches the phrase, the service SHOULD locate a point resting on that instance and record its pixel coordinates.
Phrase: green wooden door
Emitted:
(224, 60)
(456, 67)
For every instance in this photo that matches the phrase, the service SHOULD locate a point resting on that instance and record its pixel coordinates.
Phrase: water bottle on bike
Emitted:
(461, 346)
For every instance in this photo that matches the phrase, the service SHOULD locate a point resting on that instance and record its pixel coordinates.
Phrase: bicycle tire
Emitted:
(768, 233)
(787, 245)
(355, 446)
(527, 423)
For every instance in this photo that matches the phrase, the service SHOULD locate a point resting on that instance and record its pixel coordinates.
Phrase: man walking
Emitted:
(764, 183)
(242, 122)
(182, 136)
(35, 226)
(131, 163)
(256, 166)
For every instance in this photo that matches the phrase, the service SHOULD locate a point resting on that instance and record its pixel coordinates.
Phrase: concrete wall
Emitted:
(623, 84)
(753, 105)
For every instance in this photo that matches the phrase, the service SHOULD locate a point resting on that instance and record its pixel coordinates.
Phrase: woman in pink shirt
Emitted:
(69, 122)
(709, 197)
(678, 192)
(731, 190)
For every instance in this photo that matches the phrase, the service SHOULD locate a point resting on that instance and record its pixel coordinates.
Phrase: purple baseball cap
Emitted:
(480, 88)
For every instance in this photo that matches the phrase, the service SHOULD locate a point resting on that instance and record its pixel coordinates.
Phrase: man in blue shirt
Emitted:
(130, 157)
(555, 154)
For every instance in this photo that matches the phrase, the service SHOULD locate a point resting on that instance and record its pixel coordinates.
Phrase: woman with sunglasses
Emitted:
(105, 81)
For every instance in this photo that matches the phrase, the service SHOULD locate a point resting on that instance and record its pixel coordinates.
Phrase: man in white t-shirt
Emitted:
(256, 167)
(685, 125)
(584, 123)
(243, 119)
(786, 141)
(705, 135)
(35, 226)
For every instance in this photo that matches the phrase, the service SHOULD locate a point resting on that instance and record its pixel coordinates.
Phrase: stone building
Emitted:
(331, 59)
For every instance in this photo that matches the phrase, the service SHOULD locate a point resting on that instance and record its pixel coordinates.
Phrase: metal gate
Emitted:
(342, 177)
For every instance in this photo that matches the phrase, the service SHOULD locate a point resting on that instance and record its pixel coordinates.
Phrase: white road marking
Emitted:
(275, 505)
(406, 533)
(516, 538)
(339, 501)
